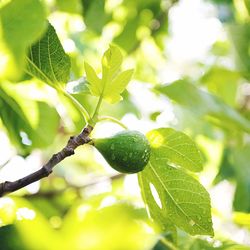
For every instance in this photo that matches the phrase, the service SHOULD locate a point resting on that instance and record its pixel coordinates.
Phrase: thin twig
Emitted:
(4, 164)
(46, 170)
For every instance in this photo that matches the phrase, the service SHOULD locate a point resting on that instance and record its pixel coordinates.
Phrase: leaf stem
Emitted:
(94, 117)
(112, 119)
(83, 111)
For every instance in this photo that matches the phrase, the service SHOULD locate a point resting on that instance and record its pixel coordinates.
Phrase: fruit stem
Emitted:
(112, 119)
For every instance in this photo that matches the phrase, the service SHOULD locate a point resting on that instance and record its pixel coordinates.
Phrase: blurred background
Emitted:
(192, 73)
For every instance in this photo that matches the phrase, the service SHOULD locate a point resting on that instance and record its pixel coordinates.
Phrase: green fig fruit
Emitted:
(127, 151)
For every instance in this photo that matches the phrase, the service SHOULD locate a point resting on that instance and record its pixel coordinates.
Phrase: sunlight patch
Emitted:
(25, 213)
(155, 139)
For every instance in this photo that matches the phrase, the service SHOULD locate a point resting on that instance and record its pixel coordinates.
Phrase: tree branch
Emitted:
(46, 170)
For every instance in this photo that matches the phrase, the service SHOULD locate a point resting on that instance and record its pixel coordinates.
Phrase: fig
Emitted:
(127, 151)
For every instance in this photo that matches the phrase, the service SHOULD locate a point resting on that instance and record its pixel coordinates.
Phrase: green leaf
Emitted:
(226, 168)
(73, 6)
(223, 83)
(10, 232)
(173, 196)
(48, 61)
(14, 119)
(127, 40)
(22, 23)
(240, 161)
(30, 124)
(174, 147)
(239, 35)
(204, 104)
(112, 83)
(93, 9)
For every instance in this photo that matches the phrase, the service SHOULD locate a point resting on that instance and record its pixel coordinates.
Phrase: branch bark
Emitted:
(74, 142)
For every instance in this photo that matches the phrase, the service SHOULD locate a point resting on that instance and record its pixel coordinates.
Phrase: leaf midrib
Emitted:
(39, 70)
(50, 62)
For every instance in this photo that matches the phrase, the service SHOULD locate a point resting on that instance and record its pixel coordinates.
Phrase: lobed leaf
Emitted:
(172, 196)
(112, 83)
(174, 147)
(92, 78)
(118, 85)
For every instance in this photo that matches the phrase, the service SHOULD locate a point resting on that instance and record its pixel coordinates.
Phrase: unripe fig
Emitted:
(127, 151)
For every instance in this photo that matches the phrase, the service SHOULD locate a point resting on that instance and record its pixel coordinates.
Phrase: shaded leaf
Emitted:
(223, 83)
(93, 9)
(204, 104)
(226, 168)
(48, 61)
(240, 163)
(14, 119)
(16, 242)
(239, 35)
(128, 39)
(26, 120)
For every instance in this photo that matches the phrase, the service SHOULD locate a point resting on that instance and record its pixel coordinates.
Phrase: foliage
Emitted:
(65, 64)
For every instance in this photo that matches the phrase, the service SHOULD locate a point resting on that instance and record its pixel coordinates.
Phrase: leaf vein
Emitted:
(173, 199)
(49, 57)
(179, 153)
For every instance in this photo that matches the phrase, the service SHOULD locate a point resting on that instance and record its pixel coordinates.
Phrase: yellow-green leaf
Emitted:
(93, 79)
(111, 62)
(118, 85)
(112, 83)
